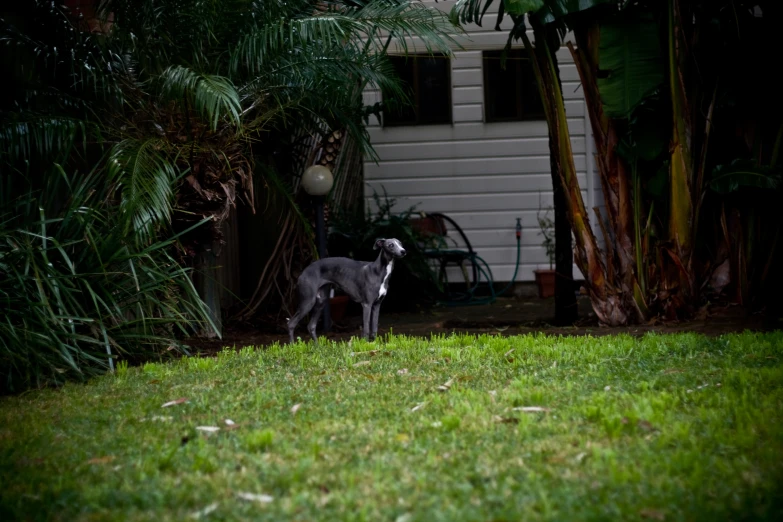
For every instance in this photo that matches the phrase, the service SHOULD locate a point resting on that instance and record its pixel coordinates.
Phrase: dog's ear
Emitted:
(378, 243)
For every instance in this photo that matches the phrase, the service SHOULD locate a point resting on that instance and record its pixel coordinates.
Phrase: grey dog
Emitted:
(365, 282)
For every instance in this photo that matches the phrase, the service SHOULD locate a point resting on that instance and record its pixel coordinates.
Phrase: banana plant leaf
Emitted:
(743, 174)
(554, 10)
(520, 7)
(630, 52)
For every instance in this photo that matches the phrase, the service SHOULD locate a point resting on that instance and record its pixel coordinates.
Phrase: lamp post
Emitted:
(317, 181)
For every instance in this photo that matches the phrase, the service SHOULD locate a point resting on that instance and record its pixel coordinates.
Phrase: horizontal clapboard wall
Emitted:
(482, 175)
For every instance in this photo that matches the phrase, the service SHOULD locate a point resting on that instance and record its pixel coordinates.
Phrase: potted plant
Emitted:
(337, 305)
(545, 279)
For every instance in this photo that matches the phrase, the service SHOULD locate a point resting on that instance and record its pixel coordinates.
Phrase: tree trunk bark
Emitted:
(566, 310)
(207, 286)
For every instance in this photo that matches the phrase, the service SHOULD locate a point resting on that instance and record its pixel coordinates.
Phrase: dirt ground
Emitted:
(507, 316)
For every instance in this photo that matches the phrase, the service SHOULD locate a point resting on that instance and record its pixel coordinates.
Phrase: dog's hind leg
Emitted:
(307, 299)
(315, 313)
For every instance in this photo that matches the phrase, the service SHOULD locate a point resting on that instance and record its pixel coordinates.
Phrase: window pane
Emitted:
(501, 92)
(510, 94)
(531, 98)
(397, 113)
(429, 82)
(434, 89)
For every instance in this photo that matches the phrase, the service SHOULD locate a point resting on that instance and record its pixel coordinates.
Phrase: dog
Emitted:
(365, 282)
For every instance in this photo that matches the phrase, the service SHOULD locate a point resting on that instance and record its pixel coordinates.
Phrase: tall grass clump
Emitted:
(78, 287)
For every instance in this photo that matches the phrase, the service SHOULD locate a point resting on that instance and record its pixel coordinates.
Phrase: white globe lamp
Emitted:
(317, 180)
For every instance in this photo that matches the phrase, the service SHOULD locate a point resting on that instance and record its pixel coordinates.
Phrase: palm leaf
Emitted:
(214, 97)
(254, 49)
(144, 178)
(24, 137)
(406, 20)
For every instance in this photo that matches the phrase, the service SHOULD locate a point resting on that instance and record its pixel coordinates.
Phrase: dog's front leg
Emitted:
(376, 311)
(366, 315)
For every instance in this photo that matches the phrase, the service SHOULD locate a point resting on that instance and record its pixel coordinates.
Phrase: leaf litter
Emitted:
(255, 497)
(174, 402)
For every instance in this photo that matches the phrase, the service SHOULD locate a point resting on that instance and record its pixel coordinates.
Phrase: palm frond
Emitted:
(214, 97)
(40, 135)
(406, 20)
(254, 49)
(143, 177)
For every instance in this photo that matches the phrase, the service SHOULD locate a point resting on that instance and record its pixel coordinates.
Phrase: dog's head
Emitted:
(392, 247)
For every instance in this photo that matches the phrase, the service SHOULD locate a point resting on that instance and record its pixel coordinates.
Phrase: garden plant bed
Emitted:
(507, 316)
(462, 427)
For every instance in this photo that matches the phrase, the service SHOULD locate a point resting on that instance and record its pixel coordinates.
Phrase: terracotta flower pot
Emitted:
(337, 305)
(545, 279)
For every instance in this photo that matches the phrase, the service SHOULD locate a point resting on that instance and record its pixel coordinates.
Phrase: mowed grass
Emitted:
(677, 427)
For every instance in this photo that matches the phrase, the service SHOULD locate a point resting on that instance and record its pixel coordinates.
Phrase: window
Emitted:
(427, 81)
(510, 94)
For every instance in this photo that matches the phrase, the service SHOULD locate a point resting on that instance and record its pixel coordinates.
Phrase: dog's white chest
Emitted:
(385, 282)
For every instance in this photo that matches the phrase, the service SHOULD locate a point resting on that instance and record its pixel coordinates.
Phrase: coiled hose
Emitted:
(479, 267)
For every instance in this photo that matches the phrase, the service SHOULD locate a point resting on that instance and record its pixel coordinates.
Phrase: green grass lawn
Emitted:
(679, 427)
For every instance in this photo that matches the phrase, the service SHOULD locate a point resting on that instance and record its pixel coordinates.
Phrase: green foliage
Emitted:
(167, 109)
(557, 10)
(648, 129)
(521, 7)
(77, 291)
(681, 427)
(547, 227)
(630, 54)
(143, 180)
(212, 96)
(354, 235)
(744, 174)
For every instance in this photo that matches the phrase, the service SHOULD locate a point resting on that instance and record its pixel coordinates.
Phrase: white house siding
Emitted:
(483, 175)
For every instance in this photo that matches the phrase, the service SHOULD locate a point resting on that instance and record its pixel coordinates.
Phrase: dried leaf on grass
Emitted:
(295, 408)
(506, 420)
(653, 514)
(531, 409)
(646, 426)
(101, 460)
(361, 363)
(204, 512)
(403, 371)
(208, 429)
(369, 352)
(446, 385)
(175, 402)
(255, 497)
(160, 418)
(418, 406)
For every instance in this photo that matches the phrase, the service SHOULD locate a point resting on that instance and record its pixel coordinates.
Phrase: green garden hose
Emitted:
(480, 267)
